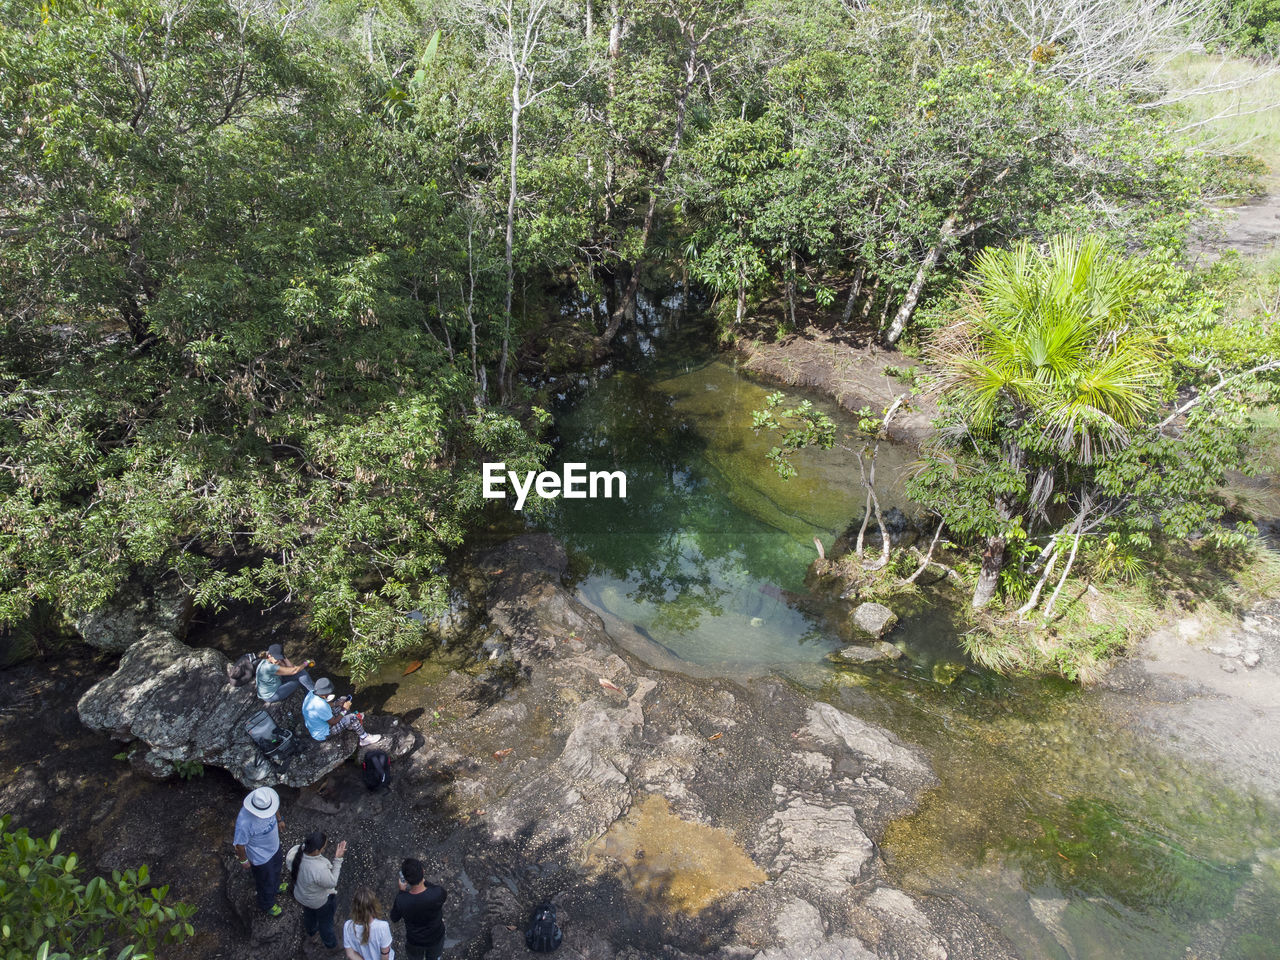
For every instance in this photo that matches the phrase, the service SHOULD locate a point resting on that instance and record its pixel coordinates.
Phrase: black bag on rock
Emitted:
(376, 769)
(543, 936)
(244, 670)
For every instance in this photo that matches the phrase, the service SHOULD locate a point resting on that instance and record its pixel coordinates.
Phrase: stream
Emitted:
(1057, 817)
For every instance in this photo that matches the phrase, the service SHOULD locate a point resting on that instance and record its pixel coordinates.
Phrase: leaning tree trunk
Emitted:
(909, 302)
(952, 229)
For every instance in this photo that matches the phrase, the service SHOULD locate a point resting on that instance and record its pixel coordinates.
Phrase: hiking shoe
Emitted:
(275, 911)
(370, 738)
(284, 886)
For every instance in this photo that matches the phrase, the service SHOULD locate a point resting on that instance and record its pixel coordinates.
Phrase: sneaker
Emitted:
(370, 738)
(275, 911)
(284, 886)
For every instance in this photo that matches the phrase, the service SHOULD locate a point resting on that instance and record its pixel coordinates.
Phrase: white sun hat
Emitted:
(263, 802)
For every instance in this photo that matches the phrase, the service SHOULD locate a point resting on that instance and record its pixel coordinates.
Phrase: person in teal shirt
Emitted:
(324, 717)
(275, 665)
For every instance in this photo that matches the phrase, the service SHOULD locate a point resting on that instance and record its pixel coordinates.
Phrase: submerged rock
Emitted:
(869, 653)
(945, 672)
(175, 701)
(134, 612)
(874, 619)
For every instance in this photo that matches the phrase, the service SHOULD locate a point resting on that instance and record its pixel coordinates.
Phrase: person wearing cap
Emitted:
(275, 665)
(257, 843)
(324, 715)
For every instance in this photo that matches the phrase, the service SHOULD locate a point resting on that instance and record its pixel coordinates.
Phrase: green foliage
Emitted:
(1255, 25)
(801, 426)
(1061, 375)
(229, 339)
(1053, 344)
(861, 154)
(188, 769)
(48, 913)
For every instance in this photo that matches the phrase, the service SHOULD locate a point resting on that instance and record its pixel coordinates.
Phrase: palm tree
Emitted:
(1050, 345)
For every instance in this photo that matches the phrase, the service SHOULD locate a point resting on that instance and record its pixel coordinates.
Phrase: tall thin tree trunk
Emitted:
(617, 27)
(866, 517)
(871, 297)
(854, 289)
(870, 480)
(742, 295)
(660, 178)
(511, 232)
(470, 303)
(791, 289)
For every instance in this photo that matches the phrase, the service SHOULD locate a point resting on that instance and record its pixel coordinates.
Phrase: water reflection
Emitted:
(709, 550)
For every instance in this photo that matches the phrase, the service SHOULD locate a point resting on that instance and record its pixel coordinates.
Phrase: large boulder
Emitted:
(135, 611)
(174, 700)
(874, 619)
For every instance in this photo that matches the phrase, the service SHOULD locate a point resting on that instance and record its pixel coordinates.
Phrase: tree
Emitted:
(879, 157)
(46, 911)
(1050, 362)
(528, 37)
(698, 26)
(223, 358)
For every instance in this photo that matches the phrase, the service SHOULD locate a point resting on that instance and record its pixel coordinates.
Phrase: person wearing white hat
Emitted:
(257, 842)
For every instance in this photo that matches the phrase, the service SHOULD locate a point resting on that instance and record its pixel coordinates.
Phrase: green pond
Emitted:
(1068, 828)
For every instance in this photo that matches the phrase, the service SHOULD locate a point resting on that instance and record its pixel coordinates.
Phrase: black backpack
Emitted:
(277, 743)
(543, 936)
(244, 670)
(376, 769)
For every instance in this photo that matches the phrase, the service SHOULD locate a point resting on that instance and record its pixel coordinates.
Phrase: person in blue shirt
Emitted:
(324, 715)
(257, 843)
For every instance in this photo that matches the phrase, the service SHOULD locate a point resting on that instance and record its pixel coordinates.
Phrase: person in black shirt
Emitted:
(420, 904)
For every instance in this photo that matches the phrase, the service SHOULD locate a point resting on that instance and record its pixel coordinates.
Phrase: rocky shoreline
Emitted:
(666, 816)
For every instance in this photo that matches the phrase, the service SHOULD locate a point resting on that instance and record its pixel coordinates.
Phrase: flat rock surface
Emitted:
(1220, 692)
(553, 768)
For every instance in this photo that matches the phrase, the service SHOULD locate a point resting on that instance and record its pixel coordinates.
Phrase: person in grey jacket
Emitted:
(315, 885)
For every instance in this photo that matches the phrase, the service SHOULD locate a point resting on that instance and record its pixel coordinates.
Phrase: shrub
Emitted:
(46, 912)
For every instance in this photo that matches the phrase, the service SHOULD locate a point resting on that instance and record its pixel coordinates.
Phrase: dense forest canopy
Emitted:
(269, 272)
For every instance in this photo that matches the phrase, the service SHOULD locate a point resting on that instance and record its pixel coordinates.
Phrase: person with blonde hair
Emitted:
(365, 936)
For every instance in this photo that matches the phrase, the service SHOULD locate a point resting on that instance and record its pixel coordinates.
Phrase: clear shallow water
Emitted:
(1055, 817)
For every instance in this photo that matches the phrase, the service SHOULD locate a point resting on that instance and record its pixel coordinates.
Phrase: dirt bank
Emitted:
(851, 370)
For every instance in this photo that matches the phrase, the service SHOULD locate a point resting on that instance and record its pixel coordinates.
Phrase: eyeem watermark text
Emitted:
(573, 483)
